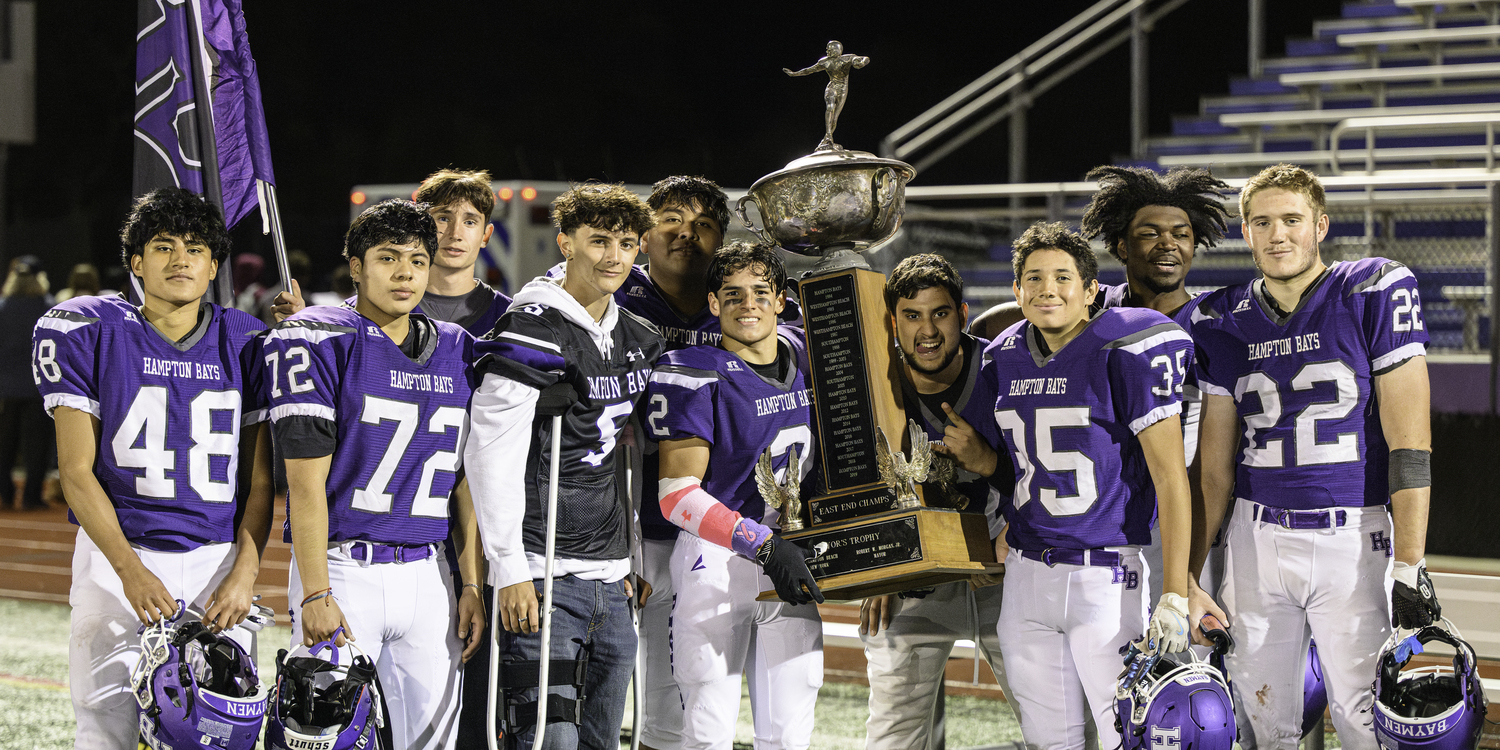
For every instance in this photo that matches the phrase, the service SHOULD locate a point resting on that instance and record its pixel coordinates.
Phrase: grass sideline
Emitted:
(36, 713)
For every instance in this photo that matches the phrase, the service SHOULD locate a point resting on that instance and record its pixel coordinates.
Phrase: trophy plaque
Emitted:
(880, 535)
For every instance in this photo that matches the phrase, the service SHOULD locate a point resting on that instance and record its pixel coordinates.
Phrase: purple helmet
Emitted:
(1428, 708)
(319, 704)
(1314, 692)
(1163, 701)
(196, 689)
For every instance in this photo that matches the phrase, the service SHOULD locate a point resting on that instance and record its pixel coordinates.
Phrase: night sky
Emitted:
(373, 92)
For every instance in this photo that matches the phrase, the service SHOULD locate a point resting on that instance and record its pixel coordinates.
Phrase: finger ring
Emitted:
(521, 619)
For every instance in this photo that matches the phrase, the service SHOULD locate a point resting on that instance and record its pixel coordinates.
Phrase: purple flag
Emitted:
(199, 123)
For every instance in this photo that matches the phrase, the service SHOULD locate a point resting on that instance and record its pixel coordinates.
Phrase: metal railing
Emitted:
(1028, 74)
(1469, 121)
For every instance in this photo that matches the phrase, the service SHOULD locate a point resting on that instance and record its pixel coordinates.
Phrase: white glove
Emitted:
(1168, 631)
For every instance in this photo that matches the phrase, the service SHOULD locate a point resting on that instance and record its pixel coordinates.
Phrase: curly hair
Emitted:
(1125, 190)
(1285, 177)
(176, 212)
(738, 255)
(685, 190)
(1055, 236)
(396, 221)
(448, 186)
(610, 207)
(919, 272)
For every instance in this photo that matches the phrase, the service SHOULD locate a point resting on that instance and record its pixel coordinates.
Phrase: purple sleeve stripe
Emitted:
(526, 356)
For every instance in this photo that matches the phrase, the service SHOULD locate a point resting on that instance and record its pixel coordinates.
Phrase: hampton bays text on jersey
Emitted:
(174, 369)
(1278, 347)
(421, 381)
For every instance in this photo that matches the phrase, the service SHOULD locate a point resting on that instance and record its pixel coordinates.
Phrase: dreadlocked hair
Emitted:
(1125, 190)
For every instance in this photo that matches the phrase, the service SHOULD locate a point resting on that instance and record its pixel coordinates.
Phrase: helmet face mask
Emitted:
(320, 704)
(1439, 707)
(196, 689)
(1163, 701)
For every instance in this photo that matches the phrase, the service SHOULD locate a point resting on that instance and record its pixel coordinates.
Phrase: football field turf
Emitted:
(35, 713)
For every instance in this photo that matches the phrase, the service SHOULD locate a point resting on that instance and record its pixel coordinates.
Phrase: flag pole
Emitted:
(270, 223)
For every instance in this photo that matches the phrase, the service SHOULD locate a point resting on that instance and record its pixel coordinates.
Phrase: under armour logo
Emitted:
(636, 291)
(1131, 578)
(699, 565)
(1243, 305)
(130, 316)
(635, 355)
(1163, 737)
(1379, 542)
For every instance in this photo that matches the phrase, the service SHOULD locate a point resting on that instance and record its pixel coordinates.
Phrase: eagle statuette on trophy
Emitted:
(785, 497)
(897, 472)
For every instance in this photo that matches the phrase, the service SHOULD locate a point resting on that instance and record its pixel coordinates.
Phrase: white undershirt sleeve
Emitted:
(500, 426)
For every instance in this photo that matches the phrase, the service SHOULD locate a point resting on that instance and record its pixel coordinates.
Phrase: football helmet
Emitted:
(1314, 692)
(1166, 700)
(320, 704)
(195, 688)
(1428, 708)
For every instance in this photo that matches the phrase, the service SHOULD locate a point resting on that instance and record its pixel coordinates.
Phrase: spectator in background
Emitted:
(300, 266)
(24, 426)
(343, 288)
(83, 282)
(249, 269)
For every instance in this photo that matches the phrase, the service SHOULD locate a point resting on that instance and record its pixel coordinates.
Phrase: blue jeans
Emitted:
(588, 614)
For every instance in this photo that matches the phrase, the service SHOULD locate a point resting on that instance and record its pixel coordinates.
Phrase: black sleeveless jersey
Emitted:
(539, 346)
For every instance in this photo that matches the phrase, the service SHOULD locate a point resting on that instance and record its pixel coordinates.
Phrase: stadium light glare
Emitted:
(357, 198)
(506, 194)
(528, 193)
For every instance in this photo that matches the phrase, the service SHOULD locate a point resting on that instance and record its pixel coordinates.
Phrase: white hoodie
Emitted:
(500, 422)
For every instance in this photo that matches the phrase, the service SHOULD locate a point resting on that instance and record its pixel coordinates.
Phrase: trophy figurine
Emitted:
(899, 474)
(787, 497)
(881, 535)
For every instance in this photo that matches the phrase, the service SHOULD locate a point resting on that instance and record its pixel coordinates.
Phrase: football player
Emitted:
(161, 448)
(908, 637)
(716, 410)
(1088, 409)
(1153, 224)
(566, 329)
(370, 407)
(671, 292)
(460, 202)
(1315, 417)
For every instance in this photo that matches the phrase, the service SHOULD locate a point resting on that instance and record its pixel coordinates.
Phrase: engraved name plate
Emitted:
(845, 416)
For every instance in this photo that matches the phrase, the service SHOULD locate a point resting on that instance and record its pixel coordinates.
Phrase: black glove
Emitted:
(1413, 600)
(785, 564)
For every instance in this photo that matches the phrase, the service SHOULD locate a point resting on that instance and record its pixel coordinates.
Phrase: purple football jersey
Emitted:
(1070, 421)
(401, 424)
(706, 392)
(1303, 381)
(170, 413)
(1192, 399)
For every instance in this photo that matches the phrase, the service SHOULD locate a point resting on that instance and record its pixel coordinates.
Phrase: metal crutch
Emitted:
(637, 689)
(554, 402)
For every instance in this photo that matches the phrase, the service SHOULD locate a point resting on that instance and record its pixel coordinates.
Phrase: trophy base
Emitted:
(897, 551)
(838, 257)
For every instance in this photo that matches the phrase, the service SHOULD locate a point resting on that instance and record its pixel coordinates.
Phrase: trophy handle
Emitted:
(885, 187)
(739, 210)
